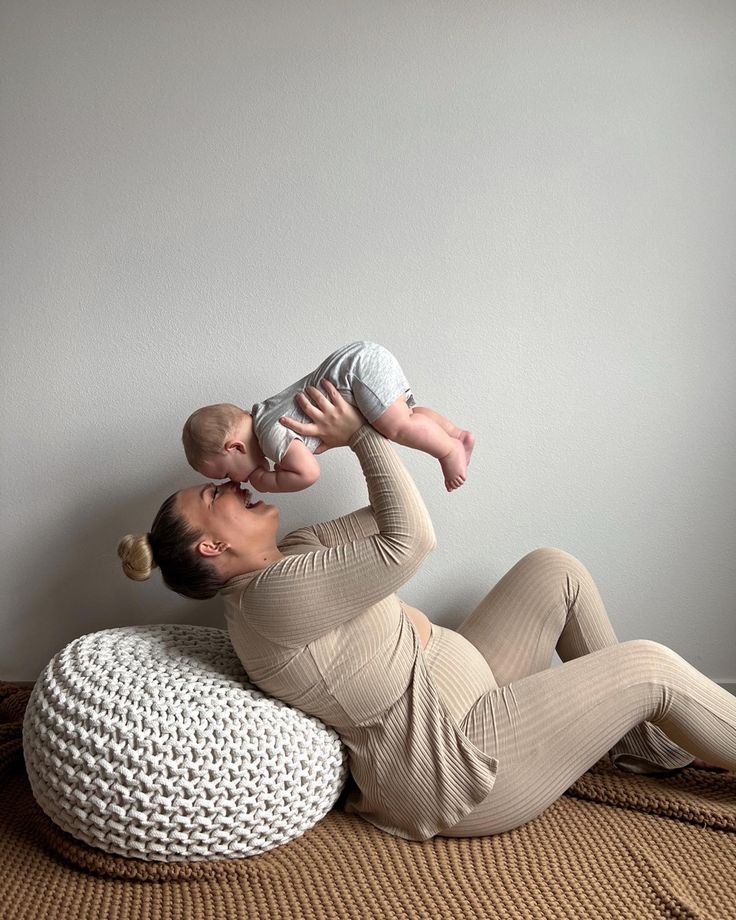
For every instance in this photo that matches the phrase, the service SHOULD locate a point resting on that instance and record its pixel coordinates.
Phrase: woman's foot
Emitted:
(454, 465)
(704, 765)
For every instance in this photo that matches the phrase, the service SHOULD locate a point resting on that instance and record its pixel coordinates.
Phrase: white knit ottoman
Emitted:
(150, 742)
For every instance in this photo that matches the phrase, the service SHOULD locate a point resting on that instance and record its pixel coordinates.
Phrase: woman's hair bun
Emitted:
(137, 556)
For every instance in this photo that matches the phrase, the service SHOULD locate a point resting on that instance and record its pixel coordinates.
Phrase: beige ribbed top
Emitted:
(323, 630)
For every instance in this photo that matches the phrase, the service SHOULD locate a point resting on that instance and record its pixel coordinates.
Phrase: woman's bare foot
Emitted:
(468, 441)
(704, 765)
(454, 465)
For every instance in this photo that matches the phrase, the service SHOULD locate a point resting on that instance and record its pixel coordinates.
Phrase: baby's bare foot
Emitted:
(454, 465)
(468, 441)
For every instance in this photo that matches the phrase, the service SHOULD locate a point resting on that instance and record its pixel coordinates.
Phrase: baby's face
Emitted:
(230, 464)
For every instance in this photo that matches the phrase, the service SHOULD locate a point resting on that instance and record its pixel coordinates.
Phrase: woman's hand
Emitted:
(335, 421)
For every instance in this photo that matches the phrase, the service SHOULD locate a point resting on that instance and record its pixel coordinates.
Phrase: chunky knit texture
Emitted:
(150, 742)
(660, 848)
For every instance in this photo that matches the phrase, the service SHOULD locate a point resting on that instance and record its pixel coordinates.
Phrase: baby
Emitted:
(226, 442)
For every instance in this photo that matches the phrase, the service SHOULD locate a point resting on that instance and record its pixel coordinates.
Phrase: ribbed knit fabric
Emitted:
(548, 725)
(459, 671)
(323, 630)
(549, 602)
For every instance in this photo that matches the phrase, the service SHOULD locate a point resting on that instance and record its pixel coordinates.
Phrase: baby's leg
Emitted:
(467, 437)
(416, 429)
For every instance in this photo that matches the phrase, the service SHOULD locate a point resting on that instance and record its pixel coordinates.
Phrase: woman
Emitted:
(456, 733)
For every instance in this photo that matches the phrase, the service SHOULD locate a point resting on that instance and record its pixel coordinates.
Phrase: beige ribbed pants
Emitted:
(637, 700)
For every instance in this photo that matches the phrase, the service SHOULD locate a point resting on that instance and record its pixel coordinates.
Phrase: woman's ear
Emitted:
(210, 548)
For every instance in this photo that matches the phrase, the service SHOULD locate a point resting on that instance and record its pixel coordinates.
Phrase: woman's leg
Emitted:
(548, 728)
(549, 601)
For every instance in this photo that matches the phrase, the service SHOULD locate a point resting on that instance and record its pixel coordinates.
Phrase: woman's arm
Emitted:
(308, 594)
(353, 526)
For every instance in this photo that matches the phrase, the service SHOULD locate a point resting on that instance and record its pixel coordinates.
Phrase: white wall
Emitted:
(531, 204)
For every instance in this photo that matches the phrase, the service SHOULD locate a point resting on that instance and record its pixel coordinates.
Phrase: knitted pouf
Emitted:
(150, 742)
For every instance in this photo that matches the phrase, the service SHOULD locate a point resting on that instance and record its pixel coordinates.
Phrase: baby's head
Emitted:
(220, 444)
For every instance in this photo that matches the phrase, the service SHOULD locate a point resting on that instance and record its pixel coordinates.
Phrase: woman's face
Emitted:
(228, 526)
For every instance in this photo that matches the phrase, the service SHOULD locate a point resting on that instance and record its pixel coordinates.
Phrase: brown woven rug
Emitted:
(615, 845)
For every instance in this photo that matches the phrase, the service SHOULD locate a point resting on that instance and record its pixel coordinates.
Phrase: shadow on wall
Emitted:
(81, 587)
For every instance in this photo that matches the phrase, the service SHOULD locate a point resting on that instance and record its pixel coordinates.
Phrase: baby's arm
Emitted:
(297, 470)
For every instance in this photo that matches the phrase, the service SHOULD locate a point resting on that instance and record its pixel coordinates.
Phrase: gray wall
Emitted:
(531, 204)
